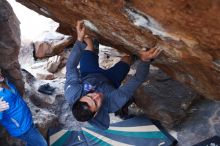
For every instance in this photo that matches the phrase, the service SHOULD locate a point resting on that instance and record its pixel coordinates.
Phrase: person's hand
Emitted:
(3, 105)
(150, 54)
(80, 29)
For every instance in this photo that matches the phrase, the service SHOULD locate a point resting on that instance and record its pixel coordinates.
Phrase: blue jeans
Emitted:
(33, 137)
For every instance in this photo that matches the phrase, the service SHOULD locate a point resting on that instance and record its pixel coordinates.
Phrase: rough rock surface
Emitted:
(187, 31)
(202, 123)
(53, 63)
(10, 45)
(164, 99)
(50, 44)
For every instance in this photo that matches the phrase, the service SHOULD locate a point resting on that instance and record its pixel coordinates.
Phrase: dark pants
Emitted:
(33, 137)
(89, 64)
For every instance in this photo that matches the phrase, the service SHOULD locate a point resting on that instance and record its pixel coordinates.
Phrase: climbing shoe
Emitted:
(46, 89)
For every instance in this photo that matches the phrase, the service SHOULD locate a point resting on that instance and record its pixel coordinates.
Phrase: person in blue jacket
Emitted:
(16, 116)
(93, 92)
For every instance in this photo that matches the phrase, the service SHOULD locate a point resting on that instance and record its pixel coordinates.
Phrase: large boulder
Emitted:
(10, 45)
(42, 69)
(50, 44)
(202, 123)
(164, 99)
(187, 31)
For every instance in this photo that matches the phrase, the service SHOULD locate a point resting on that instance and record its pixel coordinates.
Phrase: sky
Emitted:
(32, 24)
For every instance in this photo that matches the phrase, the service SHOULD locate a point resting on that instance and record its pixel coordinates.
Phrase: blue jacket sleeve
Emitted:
(121, 95)
(72, 72)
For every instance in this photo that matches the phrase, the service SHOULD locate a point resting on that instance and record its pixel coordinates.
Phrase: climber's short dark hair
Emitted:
(81, 111)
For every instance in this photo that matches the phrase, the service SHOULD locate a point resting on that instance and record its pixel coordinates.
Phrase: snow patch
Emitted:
(90, 25)
(149, 23)
(50, 36)
(44, 11)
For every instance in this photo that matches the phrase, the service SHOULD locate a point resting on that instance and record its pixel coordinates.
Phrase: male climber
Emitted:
(93, 92)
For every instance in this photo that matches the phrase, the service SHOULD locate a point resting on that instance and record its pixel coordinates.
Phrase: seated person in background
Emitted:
(94, 93)
(16, 116)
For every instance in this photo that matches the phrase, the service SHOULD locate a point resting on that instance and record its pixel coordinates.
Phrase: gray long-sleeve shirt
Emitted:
(114, 99)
